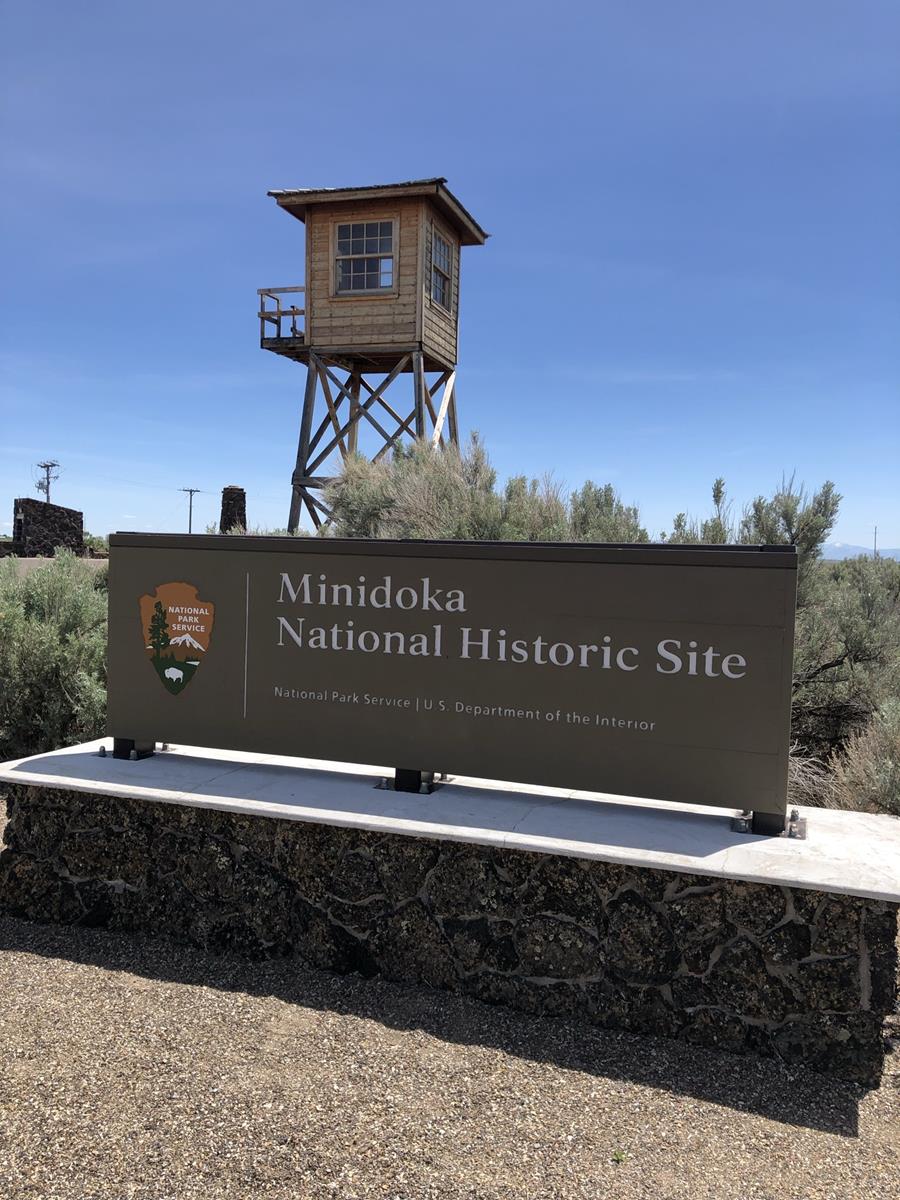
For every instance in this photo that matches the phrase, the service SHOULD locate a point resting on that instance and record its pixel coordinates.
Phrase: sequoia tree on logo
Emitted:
(176, 626)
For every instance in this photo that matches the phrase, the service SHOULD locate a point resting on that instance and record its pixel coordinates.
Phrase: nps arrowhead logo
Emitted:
(177, 626)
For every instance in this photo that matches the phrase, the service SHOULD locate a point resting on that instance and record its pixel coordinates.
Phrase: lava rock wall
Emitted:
(748, 968)
(40, 528)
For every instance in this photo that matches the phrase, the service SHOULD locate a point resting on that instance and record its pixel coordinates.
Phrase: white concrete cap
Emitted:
(851, 853)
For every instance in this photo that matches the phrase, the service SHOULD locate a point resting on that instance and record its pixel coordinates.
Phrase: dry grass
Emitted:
(867, 773)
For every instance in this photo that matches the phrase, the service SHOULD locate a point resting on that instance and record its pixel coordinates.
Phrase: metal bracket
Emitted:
(422, 782)
(771, 824)
(129, 748)
(406, 780)
(796, 826)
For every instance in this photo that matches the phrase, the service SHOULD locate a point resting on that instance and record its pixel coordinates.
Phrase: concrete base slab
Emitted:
(853, 854)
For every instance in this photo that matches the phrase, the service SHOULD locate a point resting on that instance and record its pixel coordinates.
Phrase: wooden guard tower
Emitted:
(380, 304)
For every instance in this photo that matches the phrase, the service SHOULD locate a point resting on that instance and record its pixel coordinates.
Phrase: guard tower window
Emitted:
(365, 257)
(440, 271)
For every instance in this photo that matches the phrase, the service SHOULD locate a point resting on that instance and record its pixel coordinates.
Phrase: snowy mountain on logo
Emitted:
(185, 639)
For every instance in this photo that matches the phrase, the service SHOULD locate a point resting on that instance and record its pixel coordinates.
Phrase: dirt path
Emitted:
(148, 1071)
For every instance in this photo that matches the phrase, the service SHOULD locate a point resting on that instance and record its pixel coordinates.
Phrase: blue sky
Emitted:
(693, 269)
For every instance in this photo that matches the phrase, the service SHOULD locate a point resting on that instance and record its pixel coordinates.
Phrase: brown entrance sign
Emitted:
(654, 671)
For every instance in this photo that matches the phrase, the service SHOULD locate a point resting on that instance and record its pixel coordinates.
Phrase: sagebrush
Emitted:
(52, 654)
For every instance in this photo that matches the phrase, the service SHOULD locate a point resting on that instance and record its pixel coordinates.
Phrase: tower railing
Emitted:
(274, 315)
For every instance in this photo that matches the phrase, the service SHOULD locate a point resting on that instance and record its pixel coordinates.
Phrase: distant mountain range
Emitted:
(843, 550)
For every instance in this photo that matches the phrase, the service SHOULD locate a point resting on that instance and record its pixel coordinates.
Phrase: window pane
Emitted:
(440, 288)
(343, 231)
(371, 245)
(386, 228)
(371, 229)
(370, 274)
(359, 230)
(442, 254)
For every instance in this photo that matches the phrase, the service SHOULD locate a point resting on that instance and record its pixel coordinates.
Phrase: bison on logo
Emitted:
(176, 626)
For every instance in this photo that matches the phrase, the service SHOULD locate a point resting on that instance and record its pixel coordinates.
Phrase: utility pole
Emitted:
(48, 467)
(875, 548)
(191, 492)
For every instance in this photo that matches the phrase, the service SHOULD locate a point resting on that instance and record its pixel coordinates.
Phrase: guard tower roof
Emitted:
(297, 200)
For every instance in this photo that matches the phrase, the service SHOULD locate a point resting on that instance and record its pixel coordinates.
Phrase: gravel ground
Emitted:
(144, 1070)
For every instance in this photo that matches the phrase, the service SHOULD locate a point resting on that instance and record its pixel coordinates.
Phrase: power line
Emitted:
(191, 492)
(132, 483)
(43, 485)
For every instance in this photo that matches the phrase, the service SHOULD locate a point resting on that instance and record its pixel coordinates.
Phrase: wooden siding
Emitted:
(405, 317)
(439, 327)
(354, 320)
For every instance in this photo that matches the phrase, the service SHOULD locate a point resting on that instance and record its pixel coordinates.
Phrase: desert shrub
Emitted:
(791, 517)
(718, 529)
(867, 770)
(417, 493)
(52, 655)
(253, 531)
(96, 546)
(534, 510)
(847, 649)
(598, 515)
(810, 782)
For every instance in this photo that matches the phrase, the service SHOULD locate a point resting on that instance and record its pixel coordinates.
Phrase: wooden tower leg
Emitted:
(433, 415)
(439, 417)
(300, 473)
(451, 415)
(353, 433)
(420, 389)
